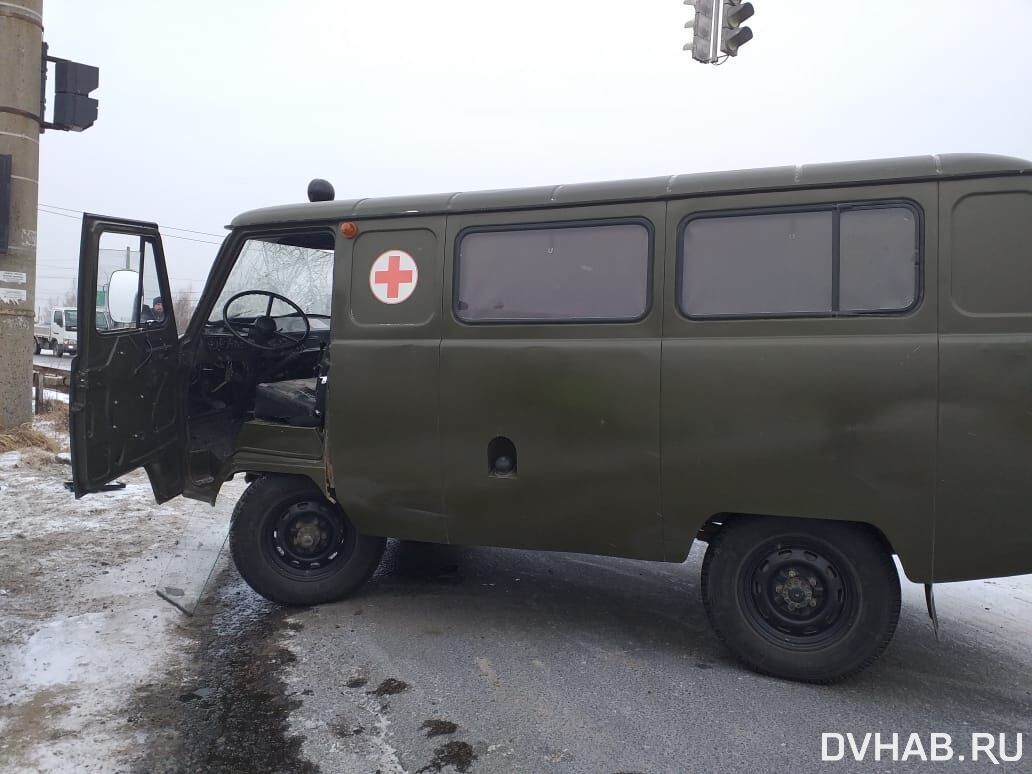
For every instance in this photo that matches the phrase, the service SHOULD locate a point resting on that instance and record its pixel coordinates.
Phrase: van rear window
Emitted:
(561, 273)
(819, 262)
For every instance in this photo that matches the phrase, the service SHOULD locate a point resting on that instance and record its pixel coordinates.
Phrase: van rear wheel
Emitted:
(295, 547)
(814, 601)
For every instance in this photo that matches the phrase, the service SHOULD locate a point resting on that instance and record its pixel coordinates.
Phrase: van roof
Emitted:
(909, 168)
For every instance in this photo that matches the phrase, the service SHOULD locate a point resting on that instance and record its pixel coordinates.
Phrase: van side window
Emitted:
(746, 265)
(878, 253)
(58, 320)
(596, 272)
(818, 262)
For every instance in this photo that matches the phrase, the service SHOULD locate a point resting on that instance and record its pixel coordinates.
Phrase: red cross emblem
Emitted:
(393, 276)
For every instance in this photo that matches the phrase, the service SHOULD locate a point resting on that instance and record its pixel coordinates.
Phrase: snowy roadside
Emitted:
(98, 674)
(80, 624)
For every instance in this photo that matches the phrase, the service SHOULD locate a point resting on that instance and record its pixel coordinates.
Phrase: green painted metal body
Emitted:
(273, 448)
(632, 437)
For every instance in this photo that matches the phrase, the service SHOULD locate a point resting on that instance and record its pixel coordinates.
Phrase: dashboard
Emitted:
(219, 340)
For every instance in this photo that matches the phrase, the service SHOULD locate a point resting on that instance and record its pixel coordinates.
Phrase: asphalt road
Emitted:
(566, 663)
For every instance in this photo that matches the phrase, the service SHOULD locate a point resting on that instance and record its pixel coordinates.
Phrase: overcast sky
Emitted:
(210, 108)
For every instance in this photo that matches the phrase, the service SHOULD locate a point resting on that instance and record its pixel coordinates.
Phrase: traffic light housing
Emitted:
(74, 109)
(705, 31)
(717, 29)
(734, 35)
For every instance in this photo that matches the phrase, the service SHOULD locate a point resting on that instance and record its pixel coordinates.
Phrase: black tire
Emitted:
(36, 349)
(275, 523)
(813, 601)
(58, 352)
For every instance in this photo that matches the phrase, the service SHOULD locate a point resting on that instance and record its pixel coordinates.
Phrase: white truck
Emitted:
(58, 333)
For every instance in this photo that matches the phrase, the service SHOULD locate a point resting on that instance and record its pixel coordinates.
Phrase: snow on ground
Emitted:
(48, 393)
(80, 623)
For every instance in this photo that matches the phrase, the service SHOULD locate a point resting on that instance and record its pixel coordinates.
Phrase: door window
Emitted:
(129, 293)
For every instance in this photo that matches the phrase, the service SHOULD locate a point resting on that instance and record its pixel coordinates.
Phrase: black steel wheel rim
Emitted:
(308, 540)
(798, 595)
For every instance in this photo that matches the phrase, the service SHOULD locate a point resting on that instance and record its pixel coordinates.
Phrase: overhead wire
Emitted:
(42, 208)
(171, 228)
(68, 212)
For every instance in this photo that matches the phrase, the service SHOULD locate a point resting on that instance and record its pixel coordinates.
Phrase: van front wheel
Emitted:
(815, 601)
(295, 547)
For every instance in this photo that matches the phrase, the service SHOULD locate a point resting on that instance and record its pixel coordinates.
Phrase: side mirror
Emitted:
(123, 287)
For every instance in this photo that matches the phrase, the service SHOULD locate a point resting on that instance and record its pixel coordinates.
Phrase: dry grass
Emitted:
(27, 437)
(55, 411)
(36, 459)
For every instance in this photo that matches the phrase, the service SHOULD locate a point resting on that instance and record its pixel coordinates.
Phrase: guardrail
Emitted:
(42, 373)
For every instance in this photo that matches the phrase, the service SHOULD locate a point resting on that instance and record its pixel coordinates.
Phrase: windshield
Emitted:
(69, 316)
(301, 270)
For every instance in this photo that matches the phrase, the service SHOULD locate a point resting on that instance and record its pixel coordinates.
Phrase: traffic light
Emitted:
(74, 109)
(734, 35)
(717, 29)
(705, 45)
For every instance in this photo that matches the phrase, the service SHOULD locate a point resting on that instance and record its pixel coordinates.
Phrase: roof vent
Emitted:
(320, 190)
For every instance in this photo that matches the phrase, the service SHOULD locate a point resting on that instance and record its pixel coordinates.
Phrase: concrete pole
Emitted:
(21, 46)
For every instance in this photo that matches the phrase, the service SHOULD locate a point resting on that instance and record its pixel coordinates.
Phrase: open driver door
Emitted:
(126, 405)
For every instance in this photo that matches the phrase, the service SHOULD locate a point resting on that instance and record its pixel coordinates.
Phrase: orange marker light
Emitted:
(349, 230)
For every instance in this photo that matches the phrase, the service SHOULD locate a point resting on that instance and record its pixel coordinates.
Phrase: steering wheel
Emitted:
(264, 329)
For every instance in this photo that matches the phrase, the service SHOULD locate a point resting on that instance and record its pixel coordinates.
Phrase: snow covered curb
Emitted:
(80, 624)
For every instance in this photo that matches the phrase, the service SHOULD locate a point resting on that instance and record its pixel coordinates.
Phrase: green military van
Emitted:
(813, 369)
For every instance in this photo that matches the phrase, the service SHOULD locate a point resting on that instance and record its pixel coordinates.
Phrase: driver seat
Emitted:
(296, 402)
